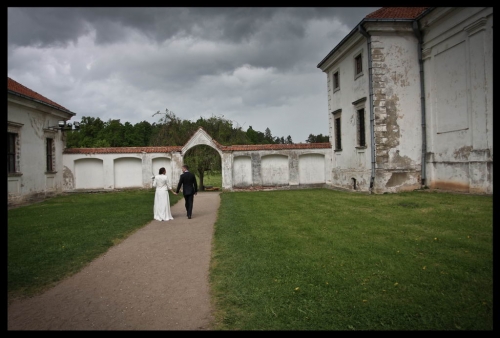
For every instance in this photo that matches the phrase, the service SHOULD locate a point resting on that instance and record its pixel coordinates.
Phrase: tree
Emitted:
(113, 132)
(318, 138)
(201, 159)
(143, 131)
(268, 136)
(88, 134)
(171, 130)
(255, 137)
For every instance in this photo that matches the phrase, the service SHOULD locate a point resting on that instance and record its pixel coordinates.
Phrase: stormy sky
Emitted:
(254, 66)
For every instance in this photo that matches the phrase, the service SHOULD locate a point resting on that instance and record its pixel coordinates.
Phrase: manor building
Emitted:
(410, 101)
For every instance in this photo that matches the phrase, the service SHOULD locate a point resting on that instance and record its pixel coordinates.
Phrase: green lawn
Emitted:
(314, 259)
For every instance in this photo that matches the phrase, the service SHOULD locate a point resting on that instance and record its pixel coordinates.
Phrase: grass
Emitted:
(313, 259)
(330, 260)
(212, 178)
(51, 240)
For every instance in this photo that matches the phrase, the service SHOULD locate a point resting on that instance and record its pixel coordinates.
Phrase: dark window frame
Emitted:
(336, 80)
(11, 152)
(361, 128)
(358, 65)
(337, 129)
(49, 150)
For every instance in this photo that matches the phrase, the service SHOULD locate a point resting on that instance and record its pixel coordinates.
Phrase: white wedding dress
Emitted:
(162, 200)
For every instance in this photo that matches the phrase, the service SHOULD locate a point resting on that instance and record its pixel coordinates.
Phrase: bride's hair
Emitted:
(162, 171)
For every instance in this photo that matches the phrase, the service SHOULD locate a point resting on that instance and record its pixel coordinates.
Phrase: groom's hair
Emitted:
(185, 166)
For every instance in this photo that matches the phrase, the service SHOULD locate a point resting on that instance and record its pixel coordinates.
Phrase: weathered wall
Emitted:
(458, 55)
(455, 98)
(279, 168)
(352, 163)
(397, 107)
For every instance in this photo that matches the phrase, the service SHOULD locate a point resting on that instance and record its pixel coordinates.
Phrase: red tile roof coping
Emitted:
(255, 147)
(396, 13)
(18, 88)
(120, 150)
(168, 149)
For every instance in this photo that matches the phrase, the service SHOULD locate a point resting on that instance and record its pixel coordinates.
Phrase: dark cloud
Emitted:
(47, 26)
(256, 66)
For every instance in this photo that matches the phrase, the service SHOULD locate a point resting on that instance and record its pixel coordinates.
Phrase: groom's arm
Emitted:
(179, 185)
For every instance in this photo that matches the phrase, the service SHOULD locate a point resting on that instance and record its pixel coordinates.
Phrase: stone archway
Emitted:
(201, 137)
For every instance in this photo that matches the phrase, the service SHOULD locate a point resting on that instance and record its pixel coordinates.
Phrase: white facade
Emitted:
(458, 50)
(32, 124)
(440, 112)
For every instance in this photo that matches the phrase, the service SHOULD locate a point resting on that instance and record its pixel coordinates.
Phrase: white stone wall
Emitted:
(118, 170)
(31, 121)
(458, 51)
(242, 171)
(352, 162)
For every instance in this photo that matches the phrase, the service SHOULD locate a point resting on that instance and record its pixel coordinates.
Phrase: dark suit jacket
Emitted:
(188, 183)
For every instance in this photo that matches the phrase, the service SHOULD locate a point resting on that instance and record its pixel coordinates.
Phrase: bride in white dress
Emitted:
(162, 199)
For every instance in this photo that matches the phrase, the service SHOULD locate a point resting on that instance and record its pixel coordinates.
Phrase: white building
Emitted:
(410, 100)
(35, 144)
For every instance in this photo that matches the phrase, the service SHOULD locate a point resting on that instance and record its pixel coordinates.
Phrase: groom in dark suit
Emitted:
(189, 188)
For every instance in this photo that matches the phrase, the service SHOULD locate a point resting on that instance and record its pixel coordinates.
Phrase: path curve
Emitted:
(156, 279)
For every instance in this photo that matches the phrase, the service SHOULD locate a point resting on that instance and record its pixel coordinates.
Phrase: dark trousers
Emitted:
(188, 202)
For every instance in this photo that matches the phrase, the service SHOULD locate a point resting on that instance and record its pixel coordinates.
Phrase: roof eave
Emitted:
(39, 101)
(355, 29)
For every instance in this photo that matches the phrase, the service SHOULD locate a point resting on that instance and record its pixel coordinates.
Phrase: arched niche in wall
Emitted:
(127, 172)
(311, 168)
(89, 173)
(242, 171)
(274, 170)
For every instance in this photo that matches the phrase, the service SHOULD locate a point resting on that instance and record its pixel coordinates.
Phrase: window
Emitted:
(336, 81)
(359, 106)
(358, 65)
(336, 130)
(361, 127)
(11, 152)
(50, 154)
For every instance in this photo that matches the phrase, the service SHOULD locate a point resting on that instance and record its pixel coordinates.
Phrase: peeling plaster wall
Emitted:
(352, 162)
(280, 168)
(457, 56)
(274, 170)
(458, 63)
(242, 171)
(397, 107)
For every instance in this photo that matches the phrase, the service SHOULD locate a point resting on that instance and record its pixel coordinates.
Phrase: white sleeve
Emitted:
(154, 181)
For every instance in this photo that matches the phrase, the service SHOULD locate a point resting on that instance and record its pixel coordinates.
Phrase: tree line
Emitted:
(170, 130)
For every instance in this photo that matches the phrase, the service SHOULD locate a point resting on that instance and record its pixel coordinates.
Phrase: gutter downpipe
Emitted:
(370, 90)
(422, 103)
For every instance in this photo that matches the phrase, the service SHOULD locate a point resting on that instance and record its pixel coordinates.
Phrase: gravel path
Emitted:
(156, 279)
